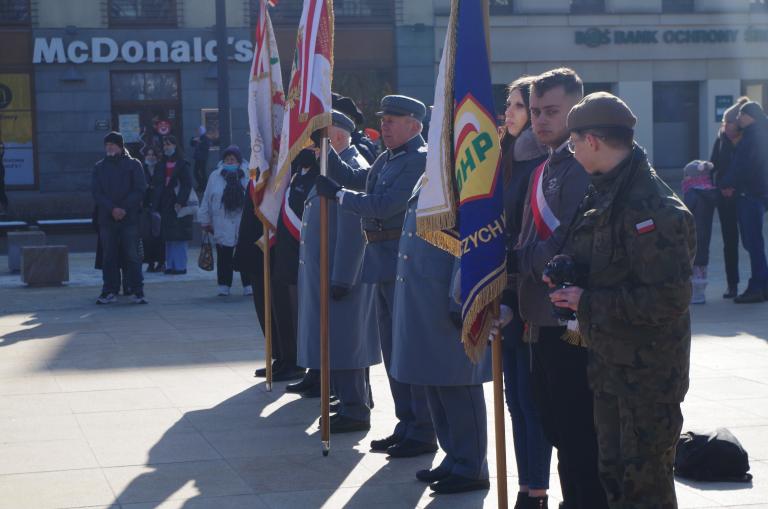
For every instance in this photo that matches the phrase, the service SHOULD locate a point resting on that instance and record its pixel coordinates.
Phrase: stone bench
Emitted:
(44, 265)
(19, 239)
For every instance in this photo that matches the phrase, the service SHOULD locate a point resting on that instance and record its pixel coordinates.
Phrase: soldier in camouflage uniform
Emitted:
(633, 242)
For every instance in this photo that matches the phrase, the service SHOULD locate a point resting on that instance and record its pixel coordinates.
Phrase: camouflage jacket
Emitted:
(634, 242)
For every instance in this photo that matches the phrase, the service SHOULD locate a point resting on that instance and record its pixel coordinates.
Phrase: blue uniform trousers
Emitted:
(458, 413)
(351, 387)
(410, 400)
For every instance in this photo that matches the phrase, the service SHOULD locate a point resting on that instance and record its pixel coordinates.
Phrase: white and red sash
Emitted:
(291, 221)
(545, 220)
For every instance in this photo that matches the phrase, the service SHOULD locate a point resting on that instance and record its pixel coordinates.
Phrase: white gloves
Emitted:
(505, 316)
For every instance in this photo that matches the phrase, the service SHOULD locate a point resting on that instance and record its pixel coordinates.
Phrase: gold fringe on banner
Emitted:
(475, 346)
(443, 240)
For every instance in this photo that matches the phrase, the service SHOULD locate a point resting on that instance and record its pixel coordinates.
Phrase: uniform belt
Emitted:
(382, 235)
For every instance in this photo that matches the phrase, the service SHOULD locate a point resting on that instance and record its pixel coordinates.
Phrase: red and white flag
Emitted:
(308, 103)
(266, 106)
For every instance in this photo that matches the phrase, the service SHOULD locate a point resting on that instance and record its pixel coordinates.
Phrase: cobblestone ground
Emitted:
(155, 406)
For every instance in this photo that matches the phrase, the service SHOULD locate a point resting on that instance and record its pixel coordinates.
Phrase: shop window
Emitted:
(145, 107)
(142, 12)
(675, 123)
(677, 6)
(288, 12)
(587, 6)
(17, 129)
(591, 88)
(14, 12)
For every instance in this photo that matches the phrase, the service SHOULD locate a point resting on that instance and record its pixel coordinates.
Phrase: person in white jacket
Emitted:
(220, 212)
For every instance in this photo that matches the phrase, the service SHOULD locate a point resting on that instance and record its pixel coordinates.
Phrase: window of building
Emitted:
(587, 6)
(501, 6)
(675, 123)
(288, 12)
(591, 88)
(675, 6)
(142, 12)
(145, 107)
(14, 12)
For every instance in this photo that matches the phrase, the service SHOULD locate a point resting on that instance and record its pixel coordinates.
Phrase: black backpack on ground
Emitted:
(711, 457)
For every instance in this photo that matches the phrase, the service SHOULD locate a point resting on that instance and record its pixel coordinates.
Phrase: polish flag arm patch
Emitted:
(646, 226)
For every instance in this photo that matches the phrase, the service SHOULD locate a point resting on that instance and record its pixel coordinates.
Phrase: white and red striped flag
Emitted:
(308, 103)
(266, 106)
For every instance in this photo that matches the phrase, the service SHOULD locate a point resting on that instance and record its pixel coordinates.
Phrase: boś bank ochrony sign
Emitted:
(105, 50)
(595, 37)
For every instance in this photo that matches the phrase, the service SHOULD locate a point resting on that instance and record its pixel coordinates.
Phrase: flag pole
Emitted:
(267, 308)
(325, 372)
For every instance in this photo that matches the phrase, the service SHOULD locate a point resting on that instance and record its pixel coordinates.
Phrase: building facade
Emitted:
(79, 68)
(678, 63)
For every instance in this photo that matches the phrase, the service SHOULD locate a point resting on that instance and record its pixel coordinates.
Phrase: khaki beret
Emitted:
(601, 109)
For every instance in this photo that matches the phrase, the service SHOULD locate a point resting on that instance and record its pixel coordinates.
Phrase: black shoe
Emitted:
(346, 425)
(385, 443)
(536, 503)
(151, 267)
(731, 292)
(180, 272)
(434, 475)
(262, 372)
(286, 374)
(335, 406)
(138, 298)
(459, 484)
(312, 392)
(169, 272)
(307, 382)
(409, 448)
(106, 298)
(750, 297)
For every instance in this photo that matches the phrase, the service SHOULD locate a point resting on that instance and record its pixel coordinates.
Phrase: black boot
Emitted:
(536, 503)
(731, 292)
(310, 379)
(459, 484)
(753, 294)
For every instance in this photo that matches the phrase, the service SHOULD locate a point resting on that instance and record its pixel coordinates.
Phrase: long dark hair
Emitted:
(523, 85)
(179, 154)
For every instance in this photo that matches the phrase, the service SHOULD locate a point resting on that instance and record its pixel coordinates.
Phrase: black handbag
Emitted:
(717, 456)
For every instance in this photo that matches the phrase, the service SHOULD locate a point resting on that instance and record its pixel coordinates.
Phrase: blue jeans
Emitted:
(532, 450)
(751, 212)
(176, 255)
(120, 239)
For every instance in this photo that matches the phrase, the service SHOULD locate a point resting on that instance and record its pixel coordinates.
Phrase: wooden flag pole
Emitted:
(498, 416)
(325, 371)
(267, 308)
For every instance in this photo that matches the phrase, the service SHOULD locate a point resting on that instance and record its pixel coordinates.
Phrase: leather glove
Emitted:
(338, 292)
(327, 187)
(456, 319)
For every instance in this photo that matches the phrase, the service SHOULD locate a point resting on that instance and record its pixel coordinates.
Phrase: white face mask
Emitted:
(169, 151)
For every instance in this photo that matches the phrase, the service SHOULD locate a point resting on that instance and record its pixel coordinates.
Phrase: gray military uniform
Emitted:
(388, 185)
(427, 351)
(354, 337)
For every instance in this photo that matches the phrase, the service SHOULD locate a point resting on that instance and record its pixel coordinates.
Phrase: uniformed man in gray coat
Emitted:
(427, 351)
(388, 185)
(354, 337)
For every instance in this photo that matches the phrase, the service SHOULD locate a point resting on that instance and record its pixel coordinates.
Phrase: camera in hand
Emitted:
(561, 270)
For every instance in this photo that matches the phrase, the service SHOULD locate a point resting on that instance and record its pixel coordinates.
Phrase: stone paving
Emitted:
(140, 407)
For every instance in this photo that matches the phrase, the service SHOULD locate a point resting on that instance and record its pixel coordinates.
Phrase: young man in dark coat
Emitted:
(748, 180)
(118, 187)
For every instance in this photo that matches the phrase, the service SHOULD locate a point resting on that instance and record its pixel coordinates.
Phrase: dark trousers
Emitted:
(256, 276)
(285, 306)
(533, 453)
(751, 211)
(702, 205)
(413, 419)
(565, 404)
(225, 267)
(351, 387)
(120, 240)
(637, 443)
(458, 412)
(729, 225)
(3, 196)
